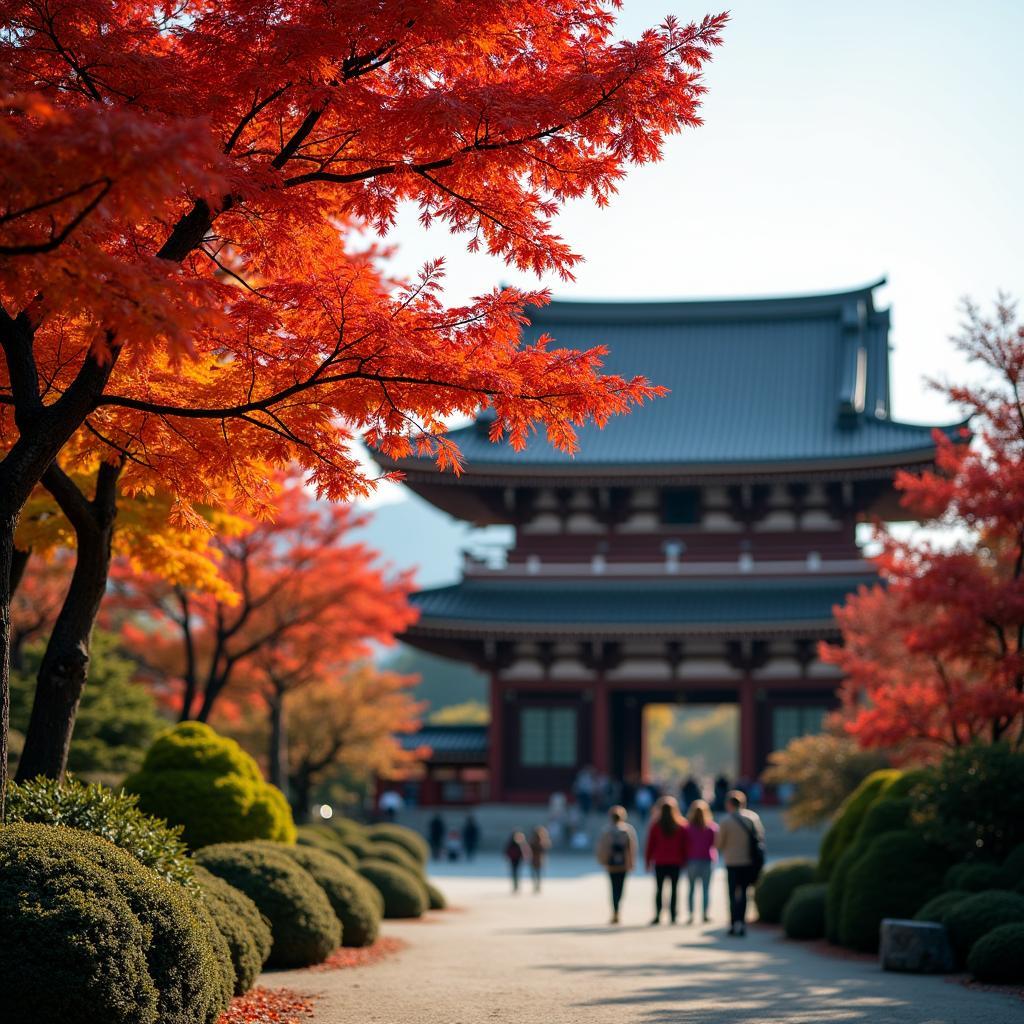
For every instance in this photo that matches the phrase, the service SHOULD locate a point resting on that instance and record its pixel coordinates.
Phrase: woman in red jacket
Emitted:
(666, 852)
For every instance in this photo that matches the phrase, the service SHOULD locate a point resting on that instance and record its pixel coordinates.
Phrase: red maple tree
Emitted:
(183, 286)
(935, 658)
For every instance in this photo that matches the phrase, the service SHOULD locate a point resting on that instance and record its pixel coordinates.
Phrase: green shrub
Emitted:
(895, 876)
(1013, 866)
(239, 921)
(776, 885)
(843, 830)
(321, 837)
(206, 783)
(973, 803)
(973, 877)
(938, 906)
(437, 898)
(361, 846)
(71, 948)
(192, 984)
(885, 815)
(304, 928)
(395, 855)
(112, 816)
(804, 916)
(998, 957)
(977, 915)
(404, 894)
(412, 842)
(348, 892)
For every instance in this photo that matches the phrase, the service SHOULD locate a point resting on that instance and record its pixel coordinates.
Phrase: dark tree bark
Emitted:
(65, 666)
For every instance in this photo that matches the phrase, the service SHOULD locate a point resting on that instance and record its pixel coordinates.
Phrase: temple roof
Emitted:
(663, 607)
(754, 383)
(448, 742)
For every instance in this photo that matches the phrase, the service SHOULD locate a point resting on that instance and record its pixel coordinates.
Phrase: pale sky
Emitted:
(843, 142)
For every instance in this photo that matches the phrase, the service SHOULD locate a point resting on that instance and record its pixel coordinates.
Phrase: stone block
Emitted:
(919, 947)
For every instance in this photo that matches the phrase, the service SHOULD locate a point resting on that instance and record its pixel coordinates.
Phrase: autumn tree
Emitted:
(182, 281)
(935, 658)
(308, 600)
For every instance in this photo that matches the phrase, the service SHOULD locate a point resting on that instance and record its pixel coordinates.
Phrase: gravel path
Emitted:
(553, 959)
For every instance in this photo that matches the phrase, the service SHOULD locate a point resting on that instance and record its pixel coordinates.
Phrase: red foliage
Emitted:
(268, 1006)
(936, 658)
(363, 956)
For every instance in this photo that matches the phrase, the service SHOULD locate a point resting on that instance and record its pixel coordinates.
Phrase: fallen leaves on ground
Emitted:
(362, 956)
(268, 1006)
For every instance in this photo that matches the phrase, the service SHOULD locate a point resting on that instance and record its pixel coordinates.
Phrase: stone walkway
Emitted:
(552, 959)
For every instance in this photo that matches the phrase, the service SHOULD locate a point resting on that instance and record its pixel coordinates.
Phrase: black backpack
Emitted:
(618, 848)
(757, 850)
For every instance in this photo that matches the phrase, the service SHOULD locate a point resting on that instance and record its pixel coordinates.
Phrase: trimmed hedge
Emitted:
(320, 837)
(398, 835)
(438, 901)
(998, 957)
(979, 914)
(1013, 866)
(843, 830)
(240, 923)
(777, 883)
(348, 893)
(974, 877)
(938, 906)
(192, 982)
(396, 855)
(404, 894)
(71, 948)
(112, 816)
(205, 782)
(304, 928)
(804, 916)
(895, 876)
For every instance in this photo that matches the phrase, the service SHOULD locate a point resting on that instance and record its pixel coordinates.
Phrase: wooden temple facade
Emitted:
(692, 551)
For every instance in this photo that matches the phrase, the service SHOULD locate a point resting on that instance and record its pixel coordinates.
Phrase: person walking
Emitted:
(702, 854)
(740, 840)
(666, 853)
(470, 836)
(516, 852)
(435, 835)
(539, 843)
(616, 853)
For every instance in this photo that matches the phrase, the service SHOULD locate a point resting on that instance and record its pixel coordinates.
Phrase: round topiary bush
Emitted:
(895, 876)
(938, 906)
(974, 877)
(361, 846)
(1013, 866)
(112, 816)
(437, 898)
(206, 783)
(303, 925)
(998, 957)
(979, 914)
(404, 894)
(804, 916)
(777, 883)
(843, 830)
(412, 842)
(71, 948)
(192, 983)
(320, 837)
(395, 855)
(241, 924)
(348, 892)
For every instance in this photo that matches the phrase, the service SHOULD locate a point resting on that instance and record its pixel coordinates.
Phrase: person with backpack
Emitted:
(516, 852)
(740, 841)
(616, 853)
(666, 853)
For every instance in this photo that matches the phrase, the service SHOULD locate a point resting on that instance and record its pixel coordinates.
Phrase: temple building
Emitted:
(692, 551)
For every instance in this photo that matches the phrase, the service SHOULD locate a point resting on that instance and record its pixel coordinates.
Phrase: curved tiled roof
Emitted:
(753, 382)
(628, 606)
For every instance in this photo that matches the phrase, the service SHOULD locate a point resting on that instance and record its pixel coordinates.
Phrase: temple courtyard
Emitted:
(553, 959)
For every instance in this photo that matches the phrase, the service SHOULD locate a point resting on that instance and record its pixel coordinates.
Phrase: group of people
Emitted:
(693, 843)
(453, 844)
(532, 850)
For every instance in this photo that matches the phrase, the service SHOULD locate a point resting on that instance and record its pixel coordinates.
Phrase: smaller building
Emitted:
(454, 773)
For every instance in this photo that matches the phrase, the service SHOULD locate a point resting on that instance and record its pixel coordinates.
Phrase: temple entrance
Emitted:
(690, 740)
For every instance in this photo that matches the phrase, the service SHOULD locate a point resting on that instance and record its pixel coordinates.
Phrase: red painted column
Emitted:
(748, 729)
(496, 735)
(600, 738)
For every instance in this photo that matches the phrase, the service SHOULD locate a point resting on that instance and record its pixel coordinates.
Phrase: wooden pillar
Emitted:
(748, 729)
(600, 738)
(496, 735)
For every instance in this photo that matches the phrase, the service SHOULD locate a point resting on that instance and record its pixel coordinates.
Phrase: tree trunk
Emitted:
(7, 525)
(65, 665)
(301, 788)
(278, 753)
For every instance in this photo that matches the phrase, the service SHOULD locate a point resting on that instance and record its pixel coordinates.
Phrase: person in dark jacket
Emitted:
(516, 853)
(540, 843)
(616, 853)
(470, 836)
(666, 853)
(435, 836)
